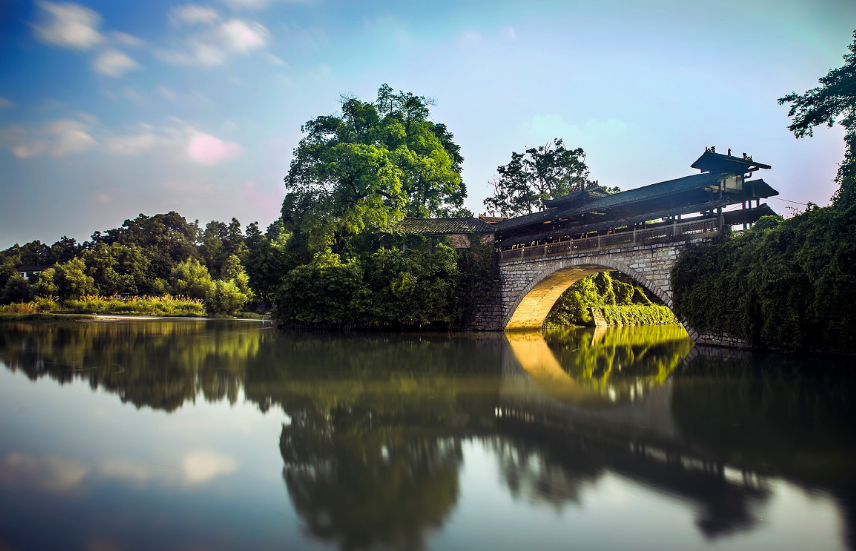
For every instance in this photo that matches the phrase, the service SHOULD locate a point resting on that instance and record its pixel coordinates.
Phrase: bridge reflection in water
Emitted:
(616, 418)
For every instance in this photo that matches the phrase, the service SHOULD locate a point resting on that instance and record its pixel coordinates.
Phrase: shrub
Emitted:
(224, 298)
(45, 286)
(17, 289)
(72, 281)
(191, 279)
(321, 292)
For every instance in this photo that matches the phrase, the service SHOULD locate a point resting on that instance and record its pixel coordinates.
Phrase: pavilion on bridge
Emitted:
(685, 206)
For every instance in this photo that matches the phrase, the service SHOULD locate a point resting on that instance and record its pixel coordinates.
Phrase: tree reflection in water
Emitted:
(373, 449)
(363, 481)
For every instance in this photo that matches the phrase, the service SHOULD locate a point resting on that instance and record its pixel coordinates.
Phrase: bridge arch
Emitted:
(530, 289)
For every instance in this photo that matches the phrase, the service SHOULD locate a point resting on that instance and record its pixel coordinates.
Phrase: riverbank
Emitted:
(57, 317)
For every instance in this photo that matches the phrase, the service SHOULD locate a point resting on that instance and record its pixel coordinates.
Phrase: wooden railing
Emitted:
(659, 234)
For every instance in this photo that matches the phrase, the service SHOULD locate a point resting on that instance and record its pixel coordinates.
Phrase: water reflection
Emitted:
(373, 448)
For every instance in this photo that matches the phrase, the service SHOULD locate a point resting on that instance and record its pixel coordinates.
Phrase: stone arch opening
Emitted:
(533, 303)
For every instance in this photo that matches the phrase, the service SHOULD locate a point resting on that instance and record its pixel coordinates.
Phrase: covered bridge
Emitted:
(724, 181)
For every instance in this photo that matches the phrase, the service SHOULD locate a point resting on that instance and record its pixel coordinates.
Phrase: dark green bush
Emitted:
(787, 283)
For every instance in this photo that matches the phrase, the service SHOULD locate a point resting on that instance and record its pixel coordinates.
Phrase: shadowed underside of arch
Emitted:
(537, 303)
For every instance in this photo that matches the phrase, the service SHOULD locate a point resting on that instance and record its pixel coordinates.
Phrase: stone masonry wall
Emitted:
(530, 287)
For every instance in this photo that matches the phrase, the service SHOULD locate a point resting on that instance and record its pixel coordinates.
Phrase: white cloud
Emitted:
(101, 198)
(126, 39)
(6, 104)
(203, 465)
(132, 144)
(209, 150)
(255, 4)
(69, 137)
(323, 71)
(193, 14)
(133, 96)
(246, 4)
(215, 46)
(470, 36)
(68, 25)
(197, 467)
(32, 149)
(243, 36)
(166, 93)
(47, 473)
(273, 60)
(114, 63)
(175, 142)
(509, 34)
(57, 138)
(315, 38)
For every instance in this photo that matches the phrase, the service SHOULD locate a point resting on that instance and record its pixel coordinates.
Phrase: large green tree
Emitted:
(833, 101)
(542, 172)
(368, 167)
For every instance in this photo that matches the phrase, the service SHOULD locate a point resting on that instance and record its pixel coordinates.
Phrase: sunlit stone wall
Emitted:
(530, 287)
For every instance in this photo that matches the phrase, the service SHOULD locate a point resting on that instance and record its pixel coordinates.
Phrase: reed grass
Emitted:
(94, 304)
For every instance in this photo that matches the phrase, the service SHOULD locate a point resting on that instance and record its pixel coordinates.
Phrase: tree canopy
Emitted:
(833, 101)
(542, 172)
(370, 166)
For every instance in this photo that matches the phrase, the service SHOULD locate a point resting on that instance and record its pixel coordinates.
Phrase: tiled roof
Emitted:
(717, 162)
(576, 196)
(651, 191)
(444, 225)
(760, 188)
(492, 219)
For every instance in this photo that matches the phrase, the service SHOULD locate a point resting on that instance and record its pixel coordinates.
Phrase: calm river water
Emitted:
(195, 434)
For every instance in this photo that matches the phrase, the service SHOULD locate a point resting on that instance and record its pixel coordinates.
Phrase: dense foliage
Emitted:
(787, 283)
(783, 283)
(416, 284)
(152, 256)
(616, 297)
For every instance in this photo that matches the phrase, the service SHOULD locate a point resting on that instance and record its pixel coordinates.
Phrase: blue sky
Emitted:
(109, 109)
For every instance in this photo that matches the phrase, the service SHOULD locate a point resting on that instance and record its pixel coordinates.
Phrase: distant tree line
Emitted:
(149, 255)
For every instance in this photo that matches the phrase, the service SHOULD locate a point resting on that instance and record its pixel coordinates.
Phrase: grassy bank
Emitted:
(135, 306)
(638, 314)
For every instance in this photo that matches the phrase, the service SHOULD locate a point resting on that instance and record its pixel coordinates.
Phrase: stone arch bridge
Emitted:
(533, 278)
